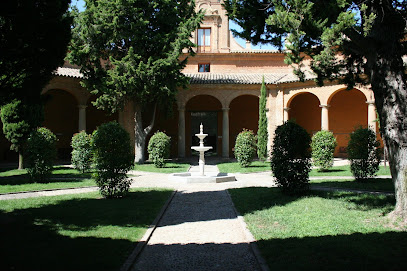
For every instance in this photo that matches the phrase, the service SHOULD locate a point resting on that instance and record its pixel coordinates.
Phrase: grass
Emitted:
(344, 171)
(234, 167)
(330, 231)
(168, 168)
(13, 180)
(374, 184)
(75, 232)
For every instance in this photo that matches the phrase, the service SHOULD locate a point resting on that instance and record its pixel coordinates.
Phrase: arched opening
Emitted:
(61, 117)
(348, 110)
(207, 110)
(244, 114)
(95, 117)
(305, 110)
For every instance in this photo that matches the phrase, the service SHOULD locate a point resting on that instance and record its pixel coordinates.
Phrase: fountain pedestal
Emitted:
(187, 177)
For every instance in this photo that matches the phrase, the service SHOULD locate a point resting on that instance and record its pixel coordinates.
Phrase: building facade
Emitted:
(224, 91)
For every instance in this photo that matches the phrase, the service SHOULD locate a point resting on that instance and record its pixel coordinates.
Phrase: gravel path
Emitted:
(199, 231)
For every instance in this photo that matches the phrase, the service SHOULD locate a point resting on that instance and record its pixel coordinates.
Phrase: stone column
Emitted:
(181, 132)
(82, 117)
(324, 117)
(371, 115)
(286, 109)
(225, 133)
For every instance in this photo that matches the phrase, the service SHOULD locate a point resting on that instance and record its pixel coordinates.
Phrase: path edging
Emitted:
(147, 236)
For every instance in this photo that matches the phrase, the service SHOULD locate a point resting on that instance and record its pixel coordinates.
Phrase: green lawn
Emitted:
(169, 167)
(374, 184)
(344, 171)
(234, 167)
(13, 180)
(329, 231)
(75, 232)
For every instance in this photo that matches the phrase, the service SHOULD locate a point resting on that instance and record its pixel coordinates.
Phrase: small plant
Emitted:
(290, 158)
(112, 159)
(323, 146)
(81, 157)
(245, 147)
(159, 148)
(40, 154)
(363, 153)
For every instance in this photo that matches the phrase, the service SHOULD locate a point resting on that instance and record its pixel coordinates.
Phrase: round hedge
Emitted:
(81, 156)
(112, 159)
(290, 158)
(159, 148)
(323, 146)
(245, 147)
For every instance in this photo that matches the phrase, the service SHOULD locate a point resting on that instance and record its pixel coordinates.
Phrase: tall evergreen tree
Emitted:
(370, 36)
(262, 134)
(129, 53)
(34, 35)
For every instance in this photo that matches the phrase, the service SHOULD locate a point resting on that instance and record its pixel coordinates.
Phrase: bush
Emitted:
(323, 146)
(40, 154)
(290, 158)
(363, 153)
(159, 148)
(245, 147)
(112, 159)
(81, 151)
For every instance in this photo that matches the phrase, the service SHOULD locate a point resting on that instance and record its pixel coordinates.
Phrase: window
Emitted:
(204, 40)
(204, 67)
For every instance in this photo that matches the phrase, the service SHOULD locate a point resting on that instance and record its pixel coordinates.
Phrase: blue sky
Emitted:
(80, 4)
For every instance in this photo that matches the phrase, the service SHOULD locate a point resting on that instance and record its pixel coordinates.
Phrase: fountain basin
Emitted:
(188, 177)
(201, 148)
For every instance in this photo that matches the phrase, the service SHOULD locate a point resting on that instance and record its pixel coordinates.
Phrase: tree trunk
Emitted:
(141, 134)
(20, 161)
(390, 89)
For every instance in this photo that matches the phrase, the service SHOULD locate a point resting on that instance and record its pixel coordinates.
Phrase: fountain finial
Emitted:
(201, 128)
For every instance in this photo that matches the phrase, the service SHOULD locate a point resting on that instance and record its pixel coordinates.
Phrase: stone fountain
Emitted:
(188, 177)
(201, 149)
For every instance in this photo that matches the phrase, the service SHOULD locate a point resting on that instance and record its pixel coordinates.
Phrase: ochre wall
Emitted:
(305, 110)
(244, 113)
(61, 117)
(348, 110)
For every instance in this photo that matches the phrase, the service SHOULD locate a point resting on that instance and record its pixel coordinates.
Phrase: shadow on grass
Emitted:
(372, 184)
(330, 170)
(30, 238)
(374, 251)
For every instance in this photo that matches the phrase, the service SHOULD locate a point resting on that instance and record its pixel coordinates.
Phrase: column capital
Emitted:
(324, 105)
(82, 106)
(286, 108)
(371, 102)
(225, 108)
(181, 108)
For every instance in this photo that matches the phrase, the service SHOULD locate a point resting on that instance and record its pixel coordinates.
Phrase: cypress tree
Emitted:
(262, 134)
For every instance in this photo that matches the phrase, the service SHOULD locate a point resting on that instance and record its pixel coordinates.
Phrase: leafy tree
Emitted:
(370, 37)
(130, 51)
(262, 134)
(19, 120)
(34, 35)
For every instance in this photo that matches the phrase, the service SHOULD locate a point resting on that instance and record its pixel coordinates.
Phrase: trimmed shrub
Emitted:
(245, 147)
(323, 146)
(290, 158)
(363, 153)
(81, 157)
(40, 154)
(159, 148)
(112, 159)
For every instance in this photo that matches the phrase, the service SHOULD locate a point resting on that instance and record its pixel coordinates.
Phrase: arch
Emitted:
(288, 102)
(61, 117)
(304, 109)
(244, 113)
(208, 110)
(348, 110)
